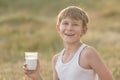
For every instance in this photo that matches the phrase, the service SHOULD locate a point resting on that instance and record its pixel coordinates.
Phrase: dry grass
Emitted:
(33, 29)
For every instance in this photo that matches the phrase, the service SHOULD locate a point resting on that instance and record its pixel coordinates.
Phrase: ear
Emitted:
(58, 28)
(85, 30)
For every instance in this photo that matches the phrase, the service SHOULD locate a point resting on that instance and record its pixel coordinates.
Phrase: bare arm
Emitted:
(54, 59)
(98, 65)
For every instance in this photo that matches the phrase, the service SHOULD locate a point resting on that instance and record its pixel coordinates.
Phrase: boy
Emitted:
(77, 61)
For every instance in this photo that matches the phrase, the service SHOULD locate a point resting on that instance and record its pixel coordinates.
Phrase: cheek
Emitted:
(61, 28)
(79, 32)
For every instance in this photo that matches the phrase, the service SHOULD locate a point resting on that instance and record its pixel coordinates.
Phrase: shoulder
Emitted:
(93, 57)
(54, 60)
(55, 57)
(97, 63)
(87, 57)
(90, 52)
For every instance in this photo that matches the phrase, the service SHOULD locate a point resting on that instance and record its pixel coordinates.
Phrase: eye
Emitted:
(65, 23)
(75, 24)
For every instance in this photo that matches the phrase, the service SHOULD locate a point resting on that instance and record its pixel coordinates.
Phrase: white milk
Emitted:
(31, 60)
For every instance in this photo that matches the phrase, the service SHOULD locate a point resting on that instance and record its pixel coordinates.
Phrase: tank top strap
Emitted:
(76, 56)
(61, 53)
(79, 51)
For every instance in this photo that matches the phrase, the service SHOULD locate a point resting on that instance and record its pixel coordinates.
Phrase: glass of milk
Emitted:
(31, 60)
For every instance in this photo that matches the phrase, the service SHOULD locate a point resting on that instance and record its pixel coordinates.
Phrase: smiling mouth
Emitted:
(69, 34)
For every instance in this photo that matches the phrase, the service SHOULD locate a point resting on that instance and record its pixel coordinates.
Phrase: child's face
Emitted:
(70, 30)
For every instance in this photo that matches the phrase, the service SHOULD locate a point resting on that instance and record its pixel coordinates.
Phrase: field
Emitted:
(30, 25)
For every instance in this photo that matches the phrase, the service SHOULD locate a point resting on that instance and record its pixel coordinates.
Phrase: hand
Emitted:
(33, 74)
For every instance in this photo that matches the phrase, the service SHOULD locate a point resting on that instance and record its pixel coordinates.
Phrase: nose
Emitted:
(69, 27)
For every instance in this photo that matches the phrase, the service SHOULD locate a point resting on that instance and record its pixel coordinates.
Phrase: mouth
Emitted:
(69, 34)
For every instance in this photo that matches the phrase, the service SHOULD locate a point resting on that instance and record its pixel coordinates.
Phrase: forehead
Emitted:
(72, 20)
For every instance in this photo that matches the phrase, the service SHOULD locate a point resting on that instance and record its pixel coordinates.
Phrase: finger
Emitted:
(24, 68)
(24, 64)
(29, 72)
(26, 71)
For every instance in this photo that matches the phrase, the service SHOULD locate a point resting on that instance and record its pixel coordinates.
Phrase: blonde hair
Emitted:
(73, 12)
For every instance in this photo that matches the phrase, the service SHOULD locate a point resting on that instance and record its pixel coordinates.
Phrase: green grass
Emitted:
(29, 25)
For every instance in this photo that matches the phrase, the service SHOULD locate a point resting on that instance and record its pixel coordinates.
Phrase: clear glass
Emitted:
(31, 60)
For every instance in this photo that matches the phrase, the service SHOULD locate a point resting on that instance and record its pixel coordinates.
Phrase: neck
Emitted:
(71, 48)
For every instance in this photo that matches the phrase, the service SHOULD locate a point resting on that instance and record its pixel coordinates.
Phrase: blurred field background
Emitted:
(29, 25)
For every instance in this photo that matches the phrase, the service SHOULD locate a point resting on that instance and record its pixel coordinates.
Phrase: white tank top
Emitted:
(72, 70)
